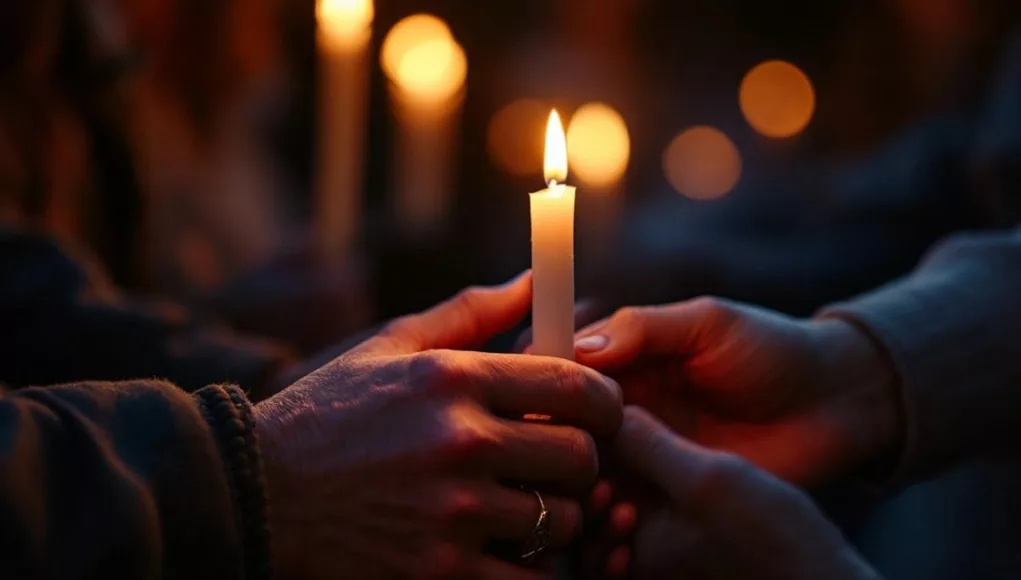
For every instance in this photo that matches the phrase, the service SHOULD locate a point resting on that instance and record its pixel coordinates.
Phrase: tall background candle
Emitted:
(552, 212)
(427, 70)
(343, 35)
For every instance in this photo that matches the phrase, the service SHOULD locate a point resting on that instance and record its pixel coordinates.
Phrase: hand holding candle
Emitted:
(553, 252)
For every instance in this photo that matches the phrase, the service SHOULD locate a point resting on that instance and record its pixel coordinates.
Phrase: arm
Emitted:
(951, 331)
(73, 325)
(103, 480)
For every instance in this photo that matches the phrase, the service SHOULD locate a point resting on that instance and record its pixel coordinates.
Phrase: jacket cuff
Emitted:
(229, 414)
(870, 316)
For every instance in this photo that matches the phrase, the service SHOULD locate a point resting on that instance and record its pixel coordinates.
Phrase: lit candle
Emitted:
(427, 69)
(344, 31)
(553, 252)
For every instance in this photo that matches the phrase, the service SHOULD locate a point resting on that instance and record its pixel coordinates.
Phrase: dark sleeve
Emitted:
(815, 234)
(130, 480)
(952, 331)
(73, 326)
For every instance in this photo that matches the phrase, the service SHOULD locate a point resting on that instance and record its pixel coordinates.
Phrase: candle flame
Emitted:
(344, 19)
(555, 165)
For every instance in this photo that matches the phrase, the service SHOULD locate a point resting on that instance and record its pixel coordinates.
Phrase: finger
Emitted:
(623, 520)
(601, 497)
(489, 568)
(651, 449)
(547, 455)
(587, 311)
(683, 328)
(518, 385)
(467, 320)
(512, 514)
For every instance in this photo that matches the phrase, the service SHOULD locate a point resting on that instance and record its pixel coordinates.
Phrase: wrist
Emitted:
(861, 381)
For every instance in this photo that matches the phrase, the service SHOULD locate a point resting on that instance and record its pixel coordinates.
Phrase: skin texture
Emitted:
(391, 460)
(804, 400)
(720, 517)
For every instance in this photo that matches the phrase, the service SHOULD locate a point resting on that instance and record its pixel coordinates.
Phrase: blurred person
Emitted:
(387, 462)
(828, 229)
(72, 237)
(903, 384)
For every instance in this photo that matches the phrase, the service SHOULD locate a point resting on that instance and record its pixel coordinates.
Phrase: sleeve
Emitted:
(130, 480)
(74, 326)
(953, 333)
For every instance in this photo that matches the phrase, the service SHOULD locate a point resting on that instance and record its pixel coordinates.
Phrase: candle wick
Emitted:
(552, 183)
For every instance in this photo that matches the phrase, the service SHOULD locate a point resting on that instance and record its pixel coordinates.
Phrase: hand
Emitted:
(806, 400)
(723, 518)
(387, 462)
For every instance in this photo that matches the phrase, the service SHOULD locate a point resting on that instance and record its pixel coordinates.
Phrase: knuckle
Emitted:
(459, 504)
(467, 442)
(433, 370)
(721, 479)
(584, 456)
(712, 308)
(571, 381)
(629, 316)
(468, 303)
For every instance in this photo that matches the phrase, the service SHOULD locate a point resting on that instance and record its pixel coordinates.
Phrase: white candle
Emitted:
(344, 31)
(553, 252)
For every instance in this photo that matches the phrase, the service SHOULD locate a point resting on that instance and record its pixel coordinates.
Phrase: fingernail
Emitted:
(593, 343)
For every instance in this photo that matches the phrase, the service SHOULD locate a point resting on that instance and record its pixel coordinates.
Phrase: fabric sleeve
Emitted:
(129, 480)
(74, 326)
(953, 332)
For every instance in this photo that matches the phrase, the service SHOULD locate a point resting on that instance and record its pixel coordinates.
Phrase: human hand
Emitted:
(388, 462)
(720, 517)
(806, 400)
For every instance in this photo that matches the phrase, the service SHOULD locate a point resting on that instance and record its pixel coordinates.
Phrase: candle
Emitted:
(343, 34)
(427, 69)
(553, 252)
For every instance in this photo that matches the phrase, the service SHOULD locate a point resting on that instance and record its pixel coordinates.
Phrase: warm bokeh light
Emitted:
(554, 167)
(344, 22)
(777, 99)
(515, 137)
(702, 163)
(407, 34)
(598, 145)
(433, 71)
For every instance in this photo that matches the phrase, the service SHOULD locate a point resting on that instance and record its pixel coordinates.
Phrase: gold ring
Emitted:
(541, 534)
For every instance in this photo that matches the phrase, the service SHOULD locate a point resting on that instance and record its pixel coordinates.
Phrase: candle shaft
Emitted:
(553, 271)
(426, 152)
(343, 108)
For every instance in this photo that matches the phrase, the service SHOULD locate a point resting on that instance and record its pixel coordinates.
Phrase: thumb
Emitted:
(465, 321)
(686, 328)
(650, 449)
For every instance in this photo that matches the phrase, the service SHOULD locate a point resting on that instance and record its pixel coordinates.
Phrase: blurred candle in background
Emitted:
(552, 212)
(343, 35)
(427, 69)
